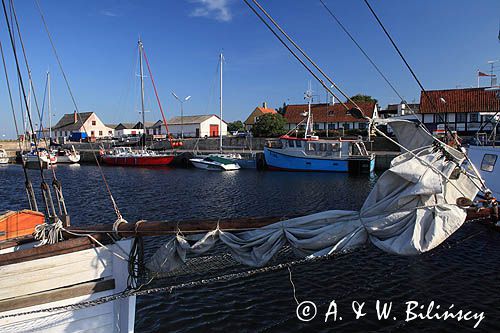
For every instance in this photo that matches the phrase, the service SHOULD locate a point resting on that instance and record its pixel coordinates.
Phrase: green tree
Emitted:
(269, 125)
(235, 126)
(281, 109)
(363, 98)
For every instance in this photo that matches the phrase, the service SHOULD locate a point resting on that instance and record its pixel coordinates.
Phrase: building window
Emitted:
(93, 122)
(461, 117)
(362, 126)
(91, 133)
(100, 133)
(316, 126)
(488, 163)
(331, 126)
(440, 118)
(346, 126)
(110, 132)
(474, 117)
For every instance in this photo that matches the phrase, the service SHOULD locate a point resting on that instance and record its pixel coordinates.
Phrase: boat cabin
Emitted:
(313, 146)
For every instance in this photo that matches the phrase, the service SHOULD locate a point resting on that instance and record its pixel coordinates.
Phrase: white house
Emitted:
(128, 129)
(330, 116)
(76, 124)
(463, 110)
(196, 126)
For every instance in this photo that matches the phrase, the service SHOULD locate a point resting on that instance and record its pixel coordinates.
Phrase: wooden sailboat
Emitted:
(143, 157)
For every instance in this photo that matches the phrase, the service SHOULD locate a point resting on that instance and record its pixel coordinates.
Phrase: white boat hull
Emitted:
(486, 159)
(4, 160)
(200, 163)
(66, 279)
(68, 159)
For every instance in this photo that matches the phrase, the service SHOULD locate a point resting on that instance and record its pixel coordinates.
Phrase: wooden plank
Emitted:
(87, 288)
(168, 227)
(68, 246)
(47, 320)
(54, 272)
(17, 224)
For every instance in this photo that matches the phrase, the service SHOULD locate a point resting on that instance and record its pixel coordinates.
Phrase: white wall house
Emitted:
(463, 110)
(128, 129)
(330, 116)
(85, 122)
(196, 126)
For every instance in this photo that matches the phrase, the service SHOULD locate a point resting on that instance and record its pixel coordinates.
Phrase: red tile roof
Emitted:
(266, 110)
(326, 113)
(460, 100)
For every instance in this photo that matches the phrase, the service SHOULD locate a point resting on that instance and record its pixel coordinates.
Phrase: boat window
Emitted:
(298, 144)
(335, 146)
(290, 143)
(488, 162)
(311, 146)
(322, 146)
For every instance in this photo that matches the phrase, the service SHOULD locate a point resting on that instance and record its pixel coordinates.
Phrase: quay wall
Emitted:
(384, 150)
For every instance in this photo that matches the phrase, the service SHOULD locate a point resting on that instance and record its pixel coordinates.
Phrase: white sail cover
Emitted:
(412, 209)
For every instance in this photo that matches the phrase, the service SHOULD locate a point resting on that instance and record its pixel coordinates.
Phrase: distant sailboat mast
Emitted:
(143, 140)
(220, 120)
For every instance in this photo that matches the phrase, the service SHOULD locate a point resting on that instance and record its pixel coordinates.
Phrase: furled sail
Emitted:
(411, 210)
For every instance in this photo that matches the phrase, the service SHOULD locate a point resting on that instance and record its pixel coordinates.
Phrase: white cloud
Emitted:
(214, 9)
(110, 13)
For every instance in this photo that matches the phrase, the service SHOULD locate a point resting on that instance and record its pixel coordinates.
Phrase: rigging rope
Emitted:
(47, 196)
(157, 97)
(410, 69)
(295, 55)
(108, 189)
(27, 182)
(485, 188)
(307, 57)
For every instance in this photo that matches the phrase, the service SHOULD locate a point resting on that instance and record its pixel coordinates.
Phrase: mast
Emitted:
(308, 96)
(49, 108)
(220, 120)
(142, 96)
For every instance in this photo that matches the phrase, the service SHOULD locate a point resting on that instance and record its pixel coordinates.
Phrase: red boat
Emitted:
(126, 157)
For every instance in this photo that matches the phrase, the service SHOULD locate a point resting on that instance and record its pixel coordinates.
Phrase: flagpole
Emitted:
(478, 78)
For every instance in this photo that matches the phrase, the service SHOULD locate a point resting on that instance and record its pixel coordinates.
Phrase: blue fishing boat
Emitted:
(311, 153)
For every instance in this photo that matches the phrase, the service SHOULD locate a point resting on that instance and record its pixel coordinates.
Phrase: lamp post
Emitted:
(181, 101)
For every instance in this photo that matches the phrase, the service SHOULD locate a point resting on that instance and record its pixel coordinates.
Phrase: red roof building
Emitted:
(256, 113)
(464, 110)
(330, 116)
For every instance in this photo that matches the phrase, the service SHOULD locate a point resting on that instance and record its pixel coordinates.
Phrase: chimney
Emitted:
(75, 117)
(264, 105)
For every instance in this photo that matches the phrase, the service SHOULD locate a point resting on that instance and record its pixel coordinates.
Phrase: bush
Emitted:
(269, 125)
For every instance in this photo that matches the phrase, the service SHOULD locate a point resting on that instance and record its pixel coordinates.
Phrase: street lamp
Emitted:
(181, 101)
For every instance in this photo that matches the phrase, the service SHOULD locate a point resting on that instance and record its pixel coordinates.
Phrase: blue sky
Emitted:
(445, 41)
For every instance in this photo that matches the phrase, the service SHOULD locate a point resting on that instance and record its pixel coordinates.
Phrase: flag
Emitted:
(484, 74)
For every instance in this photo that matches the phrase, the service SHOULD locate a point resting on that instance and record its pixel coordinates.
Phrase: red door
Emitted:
(214, 130)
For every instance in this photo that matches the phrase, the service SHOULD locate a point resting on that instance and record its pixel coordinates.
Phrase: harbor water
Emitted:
(462, 272)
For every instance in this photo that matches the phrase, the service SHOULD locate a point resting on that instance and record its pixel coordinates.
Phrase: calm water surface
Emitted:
(463, 271)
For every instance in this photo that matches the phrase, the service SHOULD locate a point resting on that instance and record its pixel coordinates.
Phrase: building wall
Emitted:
(190, 129)
(96, 128)
(469, 122)
(93, 126)
(128, 132)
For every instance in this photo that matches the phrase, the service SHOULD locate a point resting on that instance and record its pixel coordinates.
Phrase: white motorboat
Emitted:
(4, 159)
(67, 155)
(215, 162)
